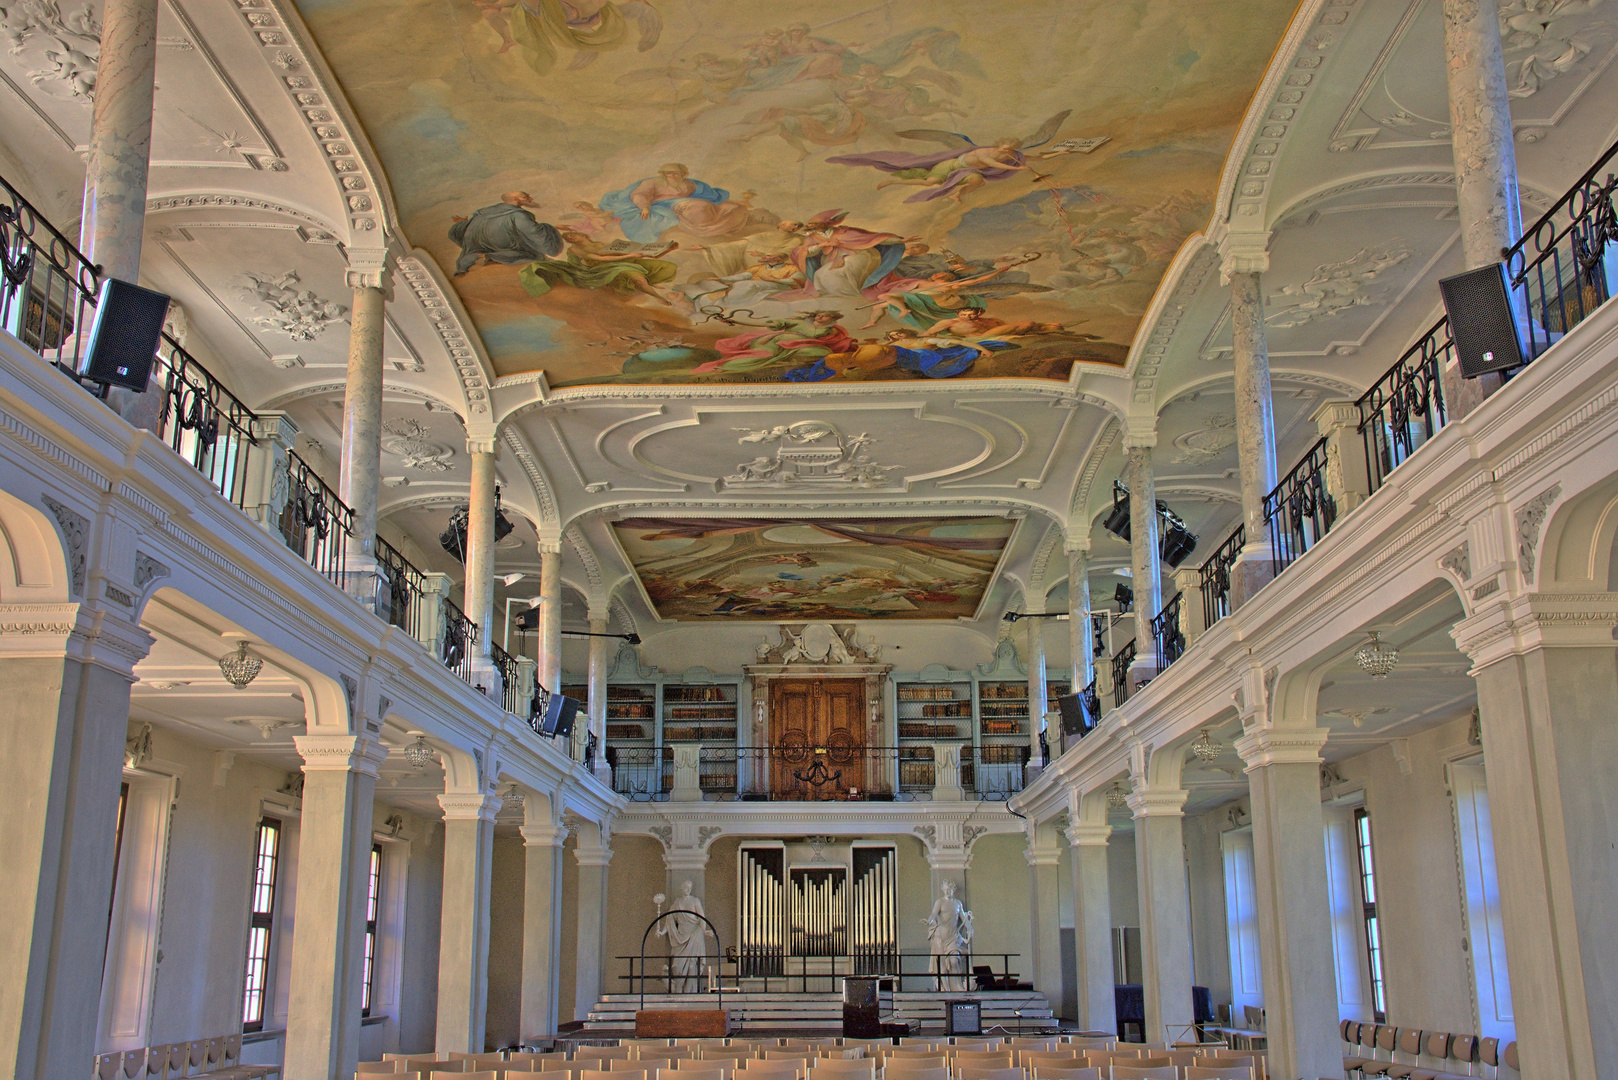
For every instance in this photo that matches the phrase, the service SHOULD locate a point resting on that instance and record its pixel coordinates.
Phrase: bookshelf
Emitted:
(928, 713)
(703, 713)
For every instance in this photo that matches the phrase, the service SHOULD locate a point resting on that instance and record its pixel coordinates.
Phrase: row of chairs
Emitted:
(1367, 1041)
(217, 1058)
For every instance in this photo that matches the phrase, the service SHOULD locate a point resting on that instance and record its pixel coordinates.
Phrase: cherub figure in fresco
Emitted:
(958, 172)
(586, 27)
(591, 264)
(648, 208)
(590, 219)
(506, 232)
(497, 14)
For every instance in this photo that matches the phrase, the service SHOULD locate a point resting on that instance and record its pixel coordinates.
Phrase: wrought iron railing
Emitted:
(1300, 510)
(315, 523)
(1166, 632)
(202, 421)
(405, 587)
(644, 773)
(459, 637)
(1215, 583)
(994, 772)
(1405, 407)
(505, 668)
(47, 286)
(1120, 673)
(1092, 702)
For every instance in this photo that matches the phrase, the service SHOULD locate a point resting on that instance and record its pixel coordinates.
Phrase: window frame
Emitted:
(1366, 854)
(373, 912)
(261, 923)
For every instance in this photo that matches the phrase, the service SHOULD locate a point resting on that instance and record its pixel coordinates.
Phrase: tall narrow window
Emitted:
(261, 918)
(1373, 929)
(372, 905)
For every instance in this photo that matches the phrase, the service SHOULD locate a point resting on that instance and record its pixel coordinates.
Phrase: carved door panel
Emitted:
(817, 737)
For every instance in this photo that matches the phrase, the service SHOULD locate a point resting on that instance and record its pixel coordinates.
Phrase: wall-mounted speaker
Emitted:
(1076, 719)
(1481, 323)
(558, 718)
(124, 335)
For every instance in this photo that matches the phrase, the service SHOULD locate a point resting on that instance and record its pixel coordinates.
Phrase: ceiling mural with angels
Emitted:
(701, 569)
(695, 191)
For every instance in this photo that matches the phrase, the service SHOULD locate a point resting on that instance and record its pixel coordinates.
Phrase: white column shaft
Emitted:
(1038, 693)
(120, 147)
(550, 621)
(480, 551)
(592, 918)
(1044, 915)
(598, 693)
(1145, 558)
(1092, 931)
(1165, 922)
(541, 934)
(1078, 610)
(361, 468)
(463, 933)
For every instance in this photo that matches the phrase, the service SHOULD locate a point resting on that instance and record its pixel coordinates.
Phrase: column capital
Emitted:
(482, 444)
(1243, 253)
(1281, 746)
(88, 633)
(1077, 541)
(676, 859)
(468, 806)
(1139, 437)
(543, 835)
(1157, 802)
(1042, 856)
(1526, 623)
(341, 753)
(1335, 414)
(371, 268)
(1088, 835)
(592, 856)
(550, 545)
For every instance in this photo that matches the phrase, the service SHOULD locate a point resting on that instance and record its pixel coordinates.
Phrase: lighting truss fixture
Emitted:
(1176, 542)
(1207, 748)
(1013, 616)
(1123, 596)
(419, 753)
(1117, 797)
(240, 667)
(1376, 657)
(1117, 520)
(453, 538)
(631, 637)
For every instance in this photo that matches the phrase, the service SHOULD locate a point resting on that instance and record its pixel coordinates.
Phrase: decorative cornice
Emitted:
(469, 806)
(1157, 802)
(1281, 746)
(361, 754)
(1088, 835)
(553, 836)
(1522, 624)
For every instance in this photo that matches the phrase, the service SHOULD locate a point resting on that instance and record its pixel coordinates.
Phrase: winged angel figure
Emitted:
(955, 172)
(587, 28)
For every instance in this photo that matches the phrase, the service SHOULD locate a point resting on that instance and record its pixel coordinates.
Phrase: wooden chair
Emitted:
(602, 1053)
(559, 1063)
(463, 1065)
(982, 1072)
(1235, 1059)
(390, 1065)
(977, 1045)
(1056, 1059)
(645, 1065)
(1030, 1042)
(693, 1074)
(486, 1074)
(604, 1074)
(1196, 1073)
(1043, 1072)
(1146, 1072)
(935, 1072)
(839, 1067)
(988, 1059)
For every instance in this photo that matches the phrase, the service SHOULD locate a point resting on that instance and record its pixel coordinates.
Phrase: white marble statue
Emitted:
(949, 932)
(687, 936)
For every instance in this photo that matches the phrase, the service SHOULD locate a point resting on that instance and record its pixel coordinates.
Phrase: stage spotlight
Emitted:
(1117, 521)
(1123, 596)
(1178, 541)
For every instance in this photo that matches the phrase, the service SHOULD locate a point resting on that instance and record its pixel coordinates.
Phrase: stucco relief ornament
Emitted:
(407, 439)
(820, 643)
(299, 314)
(69, 44)
(1206, 443)
(1336, 287)
(808, 454)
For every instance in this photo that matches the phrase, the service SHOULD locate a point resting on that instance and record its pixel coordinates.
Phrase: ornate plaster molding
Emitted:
(1530, 519)
(1281, 746)
(75, 530)
(361, 754)
(469, 806)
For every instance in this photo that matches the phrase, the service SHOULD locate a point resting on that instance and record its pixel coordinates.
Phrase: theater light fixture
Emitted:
(1176, 541)
(1123, 596)
(453, 538)
(1117, 520)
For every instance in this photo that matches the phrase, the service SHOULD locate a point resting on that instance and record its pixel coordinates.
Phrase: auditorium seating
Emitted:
(218, 1058)
(1413, 1054)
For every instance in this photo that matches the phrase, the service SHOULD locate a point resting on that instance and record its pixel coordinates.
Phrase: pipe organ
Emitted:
(829, 906)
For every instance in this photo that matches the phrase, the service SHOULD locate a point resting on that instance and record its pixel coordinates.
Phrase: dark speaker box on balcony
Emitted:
(1486, 335)
(558, 718)
(124, 335)
(1076, 718)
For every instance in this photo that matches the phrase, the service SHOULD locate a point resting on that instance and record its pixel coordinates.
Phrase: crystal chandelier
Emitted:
(240, 667)
(1117, 797)
(419, 753)
(1207, 748)
(1376, 658)
(513, 795)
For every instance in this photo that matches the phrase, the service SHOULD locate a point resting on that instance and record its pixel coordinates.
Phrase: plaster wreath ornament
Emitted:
(1206, 443)
(1336, 287)
(299, 314)
(817, 643)
(809, 453)
(407, 439)
(69, 44)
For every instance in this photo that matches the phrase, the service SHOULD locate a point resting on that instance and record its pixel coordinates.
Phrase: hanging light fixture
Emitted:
(1207, 748)
(1117, 797)
(419, 753)
(513, 795)
(1376, 657)
(240, 667)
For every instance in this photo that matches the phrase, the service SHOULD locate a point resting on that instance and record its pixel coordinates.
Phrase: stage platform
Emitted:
(821, 1013)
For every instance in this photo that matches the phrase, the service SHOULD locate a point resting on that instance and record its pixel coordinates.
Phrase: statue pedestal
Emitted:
(682, 1023)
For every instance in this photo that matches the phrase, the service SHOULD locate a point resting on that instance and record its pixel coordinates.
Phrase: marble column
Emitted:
(1165, 910)
(334, 867)
(360, 469)
(1038, 694)
(120, 147)
(1294, 903)
(598, 695)
(1078, 613)
(479, 585)
(1092, 926)
(1255, 424)
(1547, 677)
(593, 855)
(64, 717)
(1487, 196)
(1044, 854)
(1145, 556)
(550, 618)
(463, 935)
(543, 837)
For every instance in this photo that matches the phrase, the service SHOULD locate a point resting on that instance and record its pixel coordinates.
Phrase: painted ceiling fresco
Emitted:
(709, 191)
(699, 569)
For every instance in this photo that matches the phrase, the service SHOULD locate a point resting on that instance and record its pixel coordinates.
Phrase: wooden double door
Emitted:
(817, 738)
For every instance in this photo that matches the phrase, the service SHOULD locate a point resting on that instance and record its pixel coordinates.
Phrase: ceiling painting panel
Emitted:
(703, 569)
(704, 193)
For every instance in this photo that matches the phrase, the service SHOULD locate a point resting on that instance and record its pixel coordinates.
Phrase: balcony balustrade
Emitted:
(1300, 510)
(1167, 633)
(1120, 674)
(1215, 577)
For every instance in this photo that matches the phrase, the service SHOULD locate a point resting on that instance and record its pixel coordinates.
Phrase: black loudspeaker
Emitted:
(1076, 719)
(558, 718)
(527, 621)
(124, 336)
(1487, 337)
(963, 1018)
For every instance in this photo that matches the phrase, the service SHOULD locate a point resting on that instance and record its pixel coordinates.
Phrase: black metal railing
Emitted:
(1558, 271)
(47, 287)
(796, 773)
(782, 972)
(1120, 673)
(202, 421)
(1092, 702)
(994, 771)
(505, 668)
(1405, 407)
(406, 585)
(1167, 633)
(644, 773)
(459, 637)
(1300, 510)
(315, 523)
(1215, 583)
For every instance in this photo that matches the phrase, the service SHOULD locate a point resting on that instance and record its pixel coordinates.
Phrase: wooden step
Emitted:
(822, 1012)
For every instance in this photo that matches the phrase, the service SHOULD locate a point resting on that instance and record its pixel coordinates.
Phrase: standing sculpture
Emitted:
(949, 932)
(687, 936)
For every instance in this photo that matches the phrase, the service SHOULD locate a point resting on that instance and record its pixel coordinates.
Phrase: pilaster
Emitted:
(543, 837)
(1092, 926)
(463, 937)
(1165, 923)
